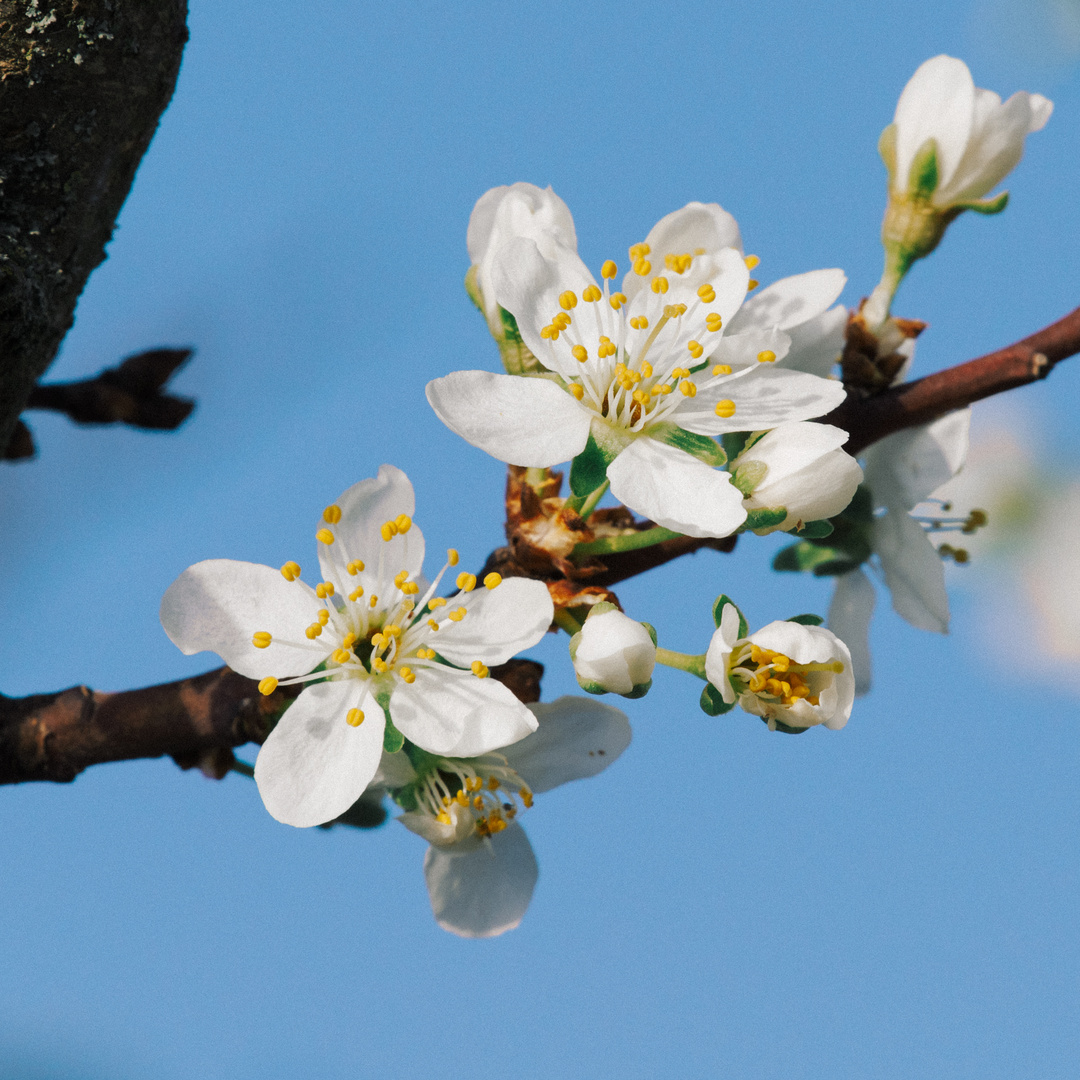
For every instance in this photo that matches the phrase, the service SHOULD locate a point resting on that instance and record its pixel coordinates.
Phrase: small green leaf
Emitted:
(652, 631)
(639, 691)
(718, 612)
(887, 148)
(923, 174)
(601, 609)
(510, 326)
(700, 446)
(768, 517)
(815, 530)
(734, 441)
(818, 559)
(712, 702)
(986, 206)
(591, 687)
(392, 740)
(575, 641)
(807, 620)
(589, 469)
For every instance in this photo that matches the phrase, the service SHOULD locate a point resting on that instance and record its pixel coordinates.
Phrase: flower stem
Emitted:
(589, 505)
(566, 621)
(243, 768)
(608, 545)
(694, 665)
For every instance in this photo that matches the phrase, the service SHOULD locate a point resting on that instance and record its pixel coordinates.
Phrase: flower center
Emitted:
(483, 795)
(776, 678)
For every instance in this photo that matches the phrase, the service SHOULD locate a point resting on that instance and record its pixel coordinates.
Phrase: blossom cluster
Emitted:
(691, 396)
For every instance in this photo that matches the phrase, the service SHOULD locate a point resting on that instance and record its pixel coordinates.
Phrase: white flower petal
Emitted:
(313, 765)
(789, 448)
(913, 571)
(937, 103)
(684, 232)
(483, 891)
(455, 714)
(819, 491)
(905, 468)
(365, 508)
(764, 397)
(499, 623)
(816, 344)
(528, 283)
(790, 301)
(577, 737)
(849, 619)
(739, 350)
(804, 644)
(219, 604)
(719, 651)
(522, 421)
(676, 490)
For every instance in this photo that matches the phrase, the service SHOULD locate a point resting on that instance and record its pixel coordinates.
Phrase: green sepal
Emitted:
(589, 469)
(700, 446)
(712, 702)
(734, 442)
(718, 612)
(806, 620)
(601, 608)
(781, 726)
(365, 813)
(472, 287)
(510, 327)
(817, 559)
(591, 687)
(986, 206)
(768, 517)
(575, 641)
(923, 174)
(887, 148)
(652, 631)
(815, 530)
(392, 740)
(748, 475)
(639, 691)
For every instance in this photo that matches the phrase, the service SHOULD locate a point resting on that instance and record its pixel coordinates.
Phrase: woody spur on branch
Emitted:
(691, 399)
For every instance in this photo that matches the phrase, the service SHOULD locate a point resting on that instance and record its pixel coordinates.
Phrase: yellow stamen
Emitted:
(324, 589)
(590, 294)
(466, 582)
(354, 717)
(609, 270)
(332, 515)
(640, 322)
(457, 614)
(290, 571)
(323, 617)
(688, 388)
(452, 556)
(707, 293)
(403, 523)
(480, 670)
(617, 300)
(577, 390)
(722, 369)
(751, 261)
(313, 631)
(379, 665)
(766, 356)
(261, 639)
(356, 593)
(407, 674)
(526, 797)
(713, 322)
(324, 536)
(725, 409)
(567, 300)
(639, 251)
(388, 531)
(340, 656)
(580, 353)
(437, 602)
(373, 602)
(642, 267)
(752, 284)
(492, 580)
(401, 577)
(433, 624)
(355, 567)
(695, 349)
(267, 686)
(659, 285)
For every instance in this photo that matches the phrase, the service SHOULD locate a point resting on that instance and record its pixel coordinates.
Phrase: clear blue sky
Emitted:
(895, 900)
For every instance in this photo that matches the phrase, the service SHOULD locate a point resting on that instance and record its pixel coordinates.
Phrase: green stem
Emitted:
(243, 768)
(566, 621)
(608, 545)
(589, 505)
(694, 665)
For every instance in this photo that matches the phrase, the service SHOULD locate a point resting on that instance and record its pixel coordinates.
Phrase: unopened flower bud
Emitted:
(613, 653)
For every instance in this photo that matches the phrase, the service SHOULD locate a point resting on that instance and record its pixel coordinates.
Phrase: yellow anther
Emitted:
(722, 369)
(655, 391)
(478, 802)
(642, 267)
(356, 593)
(639, 251)
(707, 293)
(590, 294)
(695, 349)
(617, 300)
(580, 353)
(659, 285)
(354, 717)
(452, 556)
(679, 263)
(313, 631)
(641, 322)
(373, 602)
(355, 567)
(492, 580)
(646, 369)
(752, 284)
(407, 674)
(438, 601)
(640, 397)
(324, 536)
(261, 639)
(751, 261)
(323, 617)
(688, 388)
(664, 390)
(267, 686)
(410, 588)
(433, 624)
(332, 515)
(443, 818)
(379, 665)
(577, 390)
(388, 531)
(567, 300)
(392, 631)
(680, 372)
(379, 641)
(608, 270)
(766, 356)
(547, 331)
(403, 523)
(561, 321)
(480, 670)
(323, 590)
(348, 641)
(457, 614)
(526, 797)
(466, 582)
(401, 577)
(290, 571)
(725, 409)
(461, 798)
(425, 653)
(677, 310)
(340, 656)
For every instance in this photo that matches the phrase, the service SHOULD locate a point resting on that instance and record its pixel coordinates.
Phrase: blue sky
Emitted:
(891, 900)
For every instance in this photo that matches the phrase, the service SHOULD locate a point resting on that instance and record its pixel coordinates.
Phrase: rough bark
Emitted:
(82, 86)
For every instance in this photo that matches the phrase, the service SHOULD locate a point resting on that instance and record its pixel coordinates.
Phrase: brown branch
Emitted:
(82, 85)
(918, 402)
(197, 721)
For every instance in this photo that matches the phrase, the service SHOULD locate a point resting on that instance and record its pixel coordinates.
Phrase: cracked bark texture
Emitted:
(83, 84)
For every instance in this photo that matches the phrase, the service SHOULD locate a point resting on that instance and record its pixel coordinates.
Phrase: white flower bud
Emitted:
(798, 466)
(613, 653)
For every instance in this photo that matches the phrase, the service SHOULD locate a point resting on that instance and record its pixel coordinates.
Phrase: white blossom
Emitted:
(362, 640)
(789, 674)
(613, 653)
